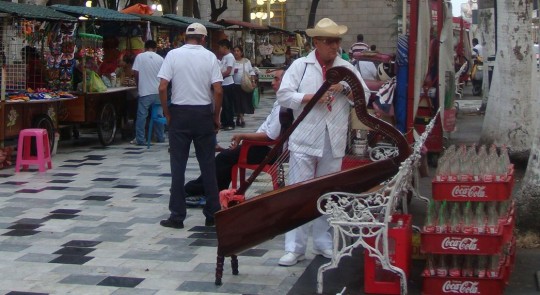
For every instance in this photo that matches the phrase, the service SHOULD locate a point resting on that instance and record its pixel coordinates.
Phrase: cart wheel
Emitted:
(44, 122)
(107, 124)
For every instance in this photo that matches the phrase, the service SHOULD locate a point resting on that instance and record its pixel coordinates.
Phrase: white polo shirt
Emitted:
(148, 64)
(192, 69)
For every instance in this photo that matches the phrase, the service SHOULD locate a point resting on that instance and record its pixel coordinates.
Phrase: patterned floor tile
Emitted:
(91, 226)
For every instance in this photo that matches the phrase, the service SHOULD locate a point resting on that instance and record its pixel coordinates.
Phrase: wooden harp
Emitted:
(265, 216)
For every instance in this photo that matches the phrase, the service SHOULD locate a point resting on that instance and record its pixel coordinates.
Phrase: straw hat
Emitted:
(327, 28)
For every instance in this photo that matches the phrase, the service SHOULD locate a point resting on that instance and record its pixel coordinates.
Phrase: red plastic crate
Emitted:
(472, 191)
(460, 243)
(433, 285)
(380, 281)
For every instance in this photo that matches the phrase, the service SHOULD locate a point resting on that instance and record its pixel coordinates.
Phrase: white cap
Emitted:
(196, 29)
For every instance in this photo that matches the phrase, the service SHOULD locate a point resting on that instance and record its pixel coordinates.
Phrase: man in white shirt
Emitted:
(367, 70)
(317, 145)
(146, 68)
(478, 50)
(193, 116)
(225, 160)
(227, 64)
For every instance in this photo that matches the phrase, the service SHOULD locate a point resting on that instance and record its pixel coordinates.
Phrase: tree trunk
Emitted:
(246, 11)
(215, 11)
(196, 10)
(529, 195)
(187, 8)
(487, 37)
(169, 6)
(510, 111)
(312, 13)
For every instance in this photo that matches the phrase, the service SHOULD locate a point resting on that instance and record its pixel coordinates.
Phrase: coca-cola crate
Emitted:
(472, 191)
(433, 285)
(380, 281)
(461, 243)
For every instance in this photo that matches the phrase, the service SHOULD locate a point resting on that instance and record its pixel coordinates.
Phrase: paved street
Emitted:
(90, 226)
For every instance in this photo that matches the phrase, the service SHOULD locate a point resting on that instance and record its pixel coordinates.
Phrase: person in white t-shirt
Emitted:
(146, 68)
(227, 65)
(193, 117)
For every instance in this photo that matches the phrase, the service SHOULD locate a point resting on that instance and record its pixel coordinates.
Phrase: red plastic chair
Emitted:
(242, 164)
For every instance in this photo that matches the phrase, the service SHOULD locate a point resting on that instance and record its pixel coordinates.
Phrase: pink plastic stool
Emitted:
(43, 155)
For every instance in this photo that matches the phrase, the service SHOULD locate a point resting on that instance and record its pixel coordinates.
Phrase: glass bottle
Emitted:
(479, 219)
(467, 225)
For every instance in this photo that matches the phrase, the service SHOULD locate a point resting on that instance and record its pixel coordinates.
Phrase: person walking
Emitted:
(226, 159)
(145, 69)
(317, 145)
(227, 64)
(358, 47)
(244, 101)
(193, 116)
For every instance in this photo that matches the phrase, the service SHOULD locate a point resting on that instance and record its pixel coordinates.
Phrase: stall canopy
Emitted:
(97, 13)
(276, 29)
(161, 20)
(240, 24)
(30, 11)
(190, 20)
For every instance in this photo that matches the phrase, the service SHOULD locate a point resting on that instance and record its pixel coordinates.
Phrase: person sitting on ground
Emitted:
(226, 159)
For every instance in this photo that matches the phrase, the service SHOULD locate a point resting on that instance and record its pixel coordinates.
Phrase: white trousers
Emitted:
(304, 167)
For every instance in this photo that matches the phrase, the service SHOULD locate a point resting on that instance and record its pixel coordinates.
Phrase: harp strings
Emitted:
(353, 92)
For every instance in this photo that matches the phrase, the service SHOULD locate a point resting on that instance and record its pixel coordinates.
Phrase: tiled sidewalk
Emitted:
(91, 226)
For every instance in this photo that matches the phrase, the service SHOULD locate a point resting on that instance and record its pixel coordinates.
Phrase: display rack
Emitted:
(466, 261)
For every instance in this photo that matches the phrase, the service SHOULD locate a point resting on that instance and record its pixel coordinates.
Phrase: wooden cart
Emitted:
(106, 111)
(18, 115)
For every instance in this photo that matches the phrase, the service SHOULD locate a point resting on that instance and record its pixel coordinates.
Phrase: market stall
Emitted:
(276, 48)
(104, 38)
(28, 99)
(165, 31)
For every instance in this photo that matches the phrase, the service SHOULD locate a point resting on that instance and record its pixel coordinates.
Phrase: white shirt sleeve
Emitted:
(271, 126)
(165, 72)
(287, 94)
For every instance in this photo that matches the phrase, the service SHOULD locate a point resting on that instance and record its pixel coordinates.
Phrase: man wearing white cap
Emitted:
(317, 145)
(193, 116)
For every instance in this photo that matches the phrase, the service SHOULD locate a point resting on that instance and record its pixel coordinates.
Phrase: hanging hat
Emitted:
(327, 28)
(196, 29)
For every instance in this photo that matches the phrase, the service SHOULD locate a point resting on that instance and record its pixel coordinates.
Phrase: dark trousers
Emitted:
(192, 124)
(225, 160)
(227, 107)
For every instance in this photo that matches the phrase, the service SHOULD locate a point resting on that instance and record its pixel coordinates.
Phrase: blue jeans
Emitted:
(142, 113)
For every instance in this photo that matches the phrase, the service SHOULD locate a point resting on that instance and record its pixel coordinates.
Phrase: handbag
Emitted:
(246, 84)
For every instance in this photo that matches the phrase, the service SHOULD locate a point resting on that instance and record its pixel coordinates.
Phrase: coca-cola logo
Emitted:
(467, 244)
(458, 287)
(469, 191)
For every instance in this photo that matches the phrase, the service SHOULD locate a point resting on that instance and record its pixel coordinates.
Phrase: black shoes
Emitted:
(209, 222)
(171, 223)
